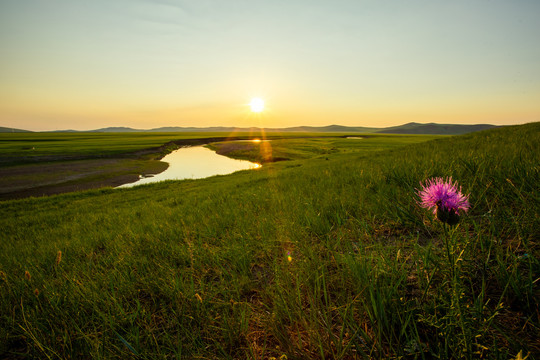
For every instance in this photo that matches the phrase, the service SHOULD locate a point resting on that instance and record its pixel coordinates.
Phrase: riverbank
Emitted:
(48, 164)
(44, 175)
(52, 178)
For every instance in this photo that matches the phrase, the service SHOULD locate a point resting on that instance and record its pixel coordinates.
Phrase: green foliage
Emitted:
(187, 269)
(20, 147)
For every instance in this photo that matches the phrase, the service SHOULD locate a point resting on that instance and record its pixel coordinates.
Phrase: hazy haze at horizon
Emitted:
(147, 64)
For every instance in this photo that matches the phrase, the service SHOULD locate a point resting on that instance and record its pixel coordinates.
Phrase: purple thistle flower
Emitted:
(444, 197)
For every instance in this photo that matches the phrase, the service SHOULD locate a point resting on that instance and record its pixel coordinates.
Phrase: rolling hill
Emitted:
(409, 128)
(432, 128)
(9, 130)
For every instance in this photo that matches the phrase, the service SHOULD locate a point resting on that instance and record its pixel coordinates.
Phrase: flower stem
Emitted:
(448, 252)
(454, 284)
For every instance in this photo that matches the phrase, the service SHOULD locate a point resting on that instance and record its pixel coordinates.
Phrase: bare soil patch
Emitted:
(66, 176)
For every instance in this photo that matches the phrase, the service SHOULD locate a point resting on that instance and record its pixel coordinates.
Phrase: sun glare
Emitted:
(257, 105)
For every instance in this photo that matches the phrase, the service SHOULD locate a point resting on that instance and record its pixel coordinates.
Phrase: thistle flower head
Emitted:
(444, 197)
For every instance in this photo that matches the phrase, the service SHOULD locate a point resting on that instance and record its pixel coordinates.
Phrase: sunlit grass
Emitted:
(327, 255)
(21, 146)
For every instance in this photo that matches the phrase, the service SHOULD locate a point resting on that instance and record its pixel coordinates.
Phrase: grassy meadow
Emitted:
(22, 148)
(39, 164)
(324, 256)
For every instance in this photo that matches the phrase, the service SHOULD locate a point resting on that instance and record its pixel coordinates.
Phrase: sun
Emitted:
(257, 105)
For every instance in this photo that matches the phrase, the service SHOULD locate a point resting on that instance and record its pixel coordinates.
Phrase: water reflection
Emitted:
(256, 140)
(196, 162)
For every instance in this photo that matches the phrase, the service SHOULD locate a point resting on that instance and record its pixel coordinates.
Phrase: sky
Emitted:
(78, 64)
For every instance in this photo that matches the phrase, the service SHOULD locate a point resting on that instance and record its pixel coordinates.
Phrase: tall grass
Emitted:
(201, 269)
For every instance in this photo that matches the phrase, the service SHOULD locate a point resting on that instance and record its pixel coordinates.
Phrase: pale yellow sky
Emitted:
(148, 63)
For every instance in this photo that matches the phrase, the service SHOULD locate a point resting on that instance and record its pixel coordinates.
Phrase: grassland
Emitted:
(37, 164)
(326, 255)
(21, 148)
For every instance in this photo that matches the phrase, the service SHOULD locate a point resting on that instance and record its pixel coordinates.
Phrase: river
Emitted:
(195, 162)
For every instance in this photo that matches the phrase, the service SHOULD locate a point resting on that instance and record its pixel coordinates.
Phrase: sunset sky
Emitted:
(78, 64)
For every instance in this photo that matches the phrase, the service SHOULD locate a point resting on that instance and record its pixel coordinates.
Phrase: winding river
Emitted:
(195, 162)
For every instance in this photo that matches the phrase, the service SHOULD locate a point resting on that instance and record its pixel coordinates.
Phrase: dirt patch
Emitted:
(66, 176)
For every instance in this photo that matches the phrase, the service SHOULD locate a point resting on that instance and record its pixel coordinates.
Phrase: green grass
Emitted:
(39, 144)
(306, 148)
(41, 164)
(22, 147)
(200, 269)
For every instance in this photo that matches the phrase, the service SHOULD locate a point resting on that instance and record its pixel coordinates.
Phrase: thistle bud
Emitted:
(449, 216)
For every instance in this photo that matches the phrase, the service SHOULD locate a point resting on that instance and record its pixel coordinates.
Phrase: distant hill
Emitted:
(9, 130)
(410, 128)
(116, 129)
(434, 129)
(330, 128)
